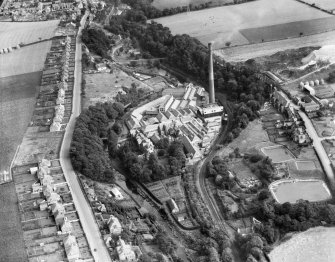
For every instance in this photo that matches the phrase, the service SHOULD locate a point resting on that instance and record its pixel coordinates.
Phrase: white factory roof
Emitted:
(211, 108)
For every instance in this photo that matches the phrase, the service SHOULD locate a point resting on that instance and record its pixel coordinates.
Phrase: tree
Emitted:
(331, 77)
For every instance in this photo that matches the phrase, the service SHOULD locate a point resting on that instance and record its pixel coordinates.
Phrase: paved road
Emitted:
(97, 245)
(319, 149)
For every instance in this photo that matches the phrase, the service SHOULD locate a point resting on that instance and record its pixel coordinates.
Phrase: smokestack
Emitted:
(211, 75)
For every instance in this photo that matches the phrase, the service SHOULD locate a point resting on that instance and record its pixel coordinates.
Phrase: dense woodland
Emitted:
(87, 151)
(170, 160)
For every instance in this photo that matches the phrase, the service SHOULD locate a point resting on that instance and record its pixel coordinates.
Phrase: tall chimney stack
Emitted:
(211, 75)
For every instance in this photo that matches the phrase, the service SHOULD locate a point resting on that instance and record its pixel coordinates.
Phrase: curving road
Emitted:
(319, 149)
(97, 245)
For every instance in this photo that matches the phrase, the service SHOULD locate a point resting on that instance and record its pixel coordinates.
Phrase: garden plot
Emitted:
(222, 24)
(12, 34)
(324, 126)
(168, 188)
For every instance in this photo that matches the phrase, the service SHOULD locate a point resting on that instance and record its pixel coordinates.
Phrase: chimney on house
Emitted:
(211, 75)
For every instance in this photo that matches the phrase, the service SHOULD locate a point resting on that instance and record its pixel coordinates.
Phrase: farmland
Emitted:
(223, 24)
(288, 30)
(161, 4)
(17, 104)
(323, 4)
(25, 60)
(11, 241)
(12, 34)
(243, 53)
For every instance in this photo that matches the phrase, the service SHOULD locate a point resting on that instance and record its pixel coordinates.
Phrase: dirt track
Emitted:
(242, 53)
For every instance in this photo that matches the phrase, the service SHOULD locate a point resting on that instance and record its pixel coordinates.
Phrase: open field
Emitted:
(12, 34)
(288, 30)
(162, 4)
(315, 244)
(278, 154)
(102, 87)
(34, 144)
(11, 241)
(25, 60)
(293, 190)
(252, 135)
(17, 102)
(223, 24)
(324, 4)
(243, 53)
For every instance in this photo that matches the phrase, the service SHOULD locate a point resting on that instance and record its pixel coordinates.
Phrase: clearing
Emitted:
(222, 24)
(17, 102)
(12, 34)
(11, 241)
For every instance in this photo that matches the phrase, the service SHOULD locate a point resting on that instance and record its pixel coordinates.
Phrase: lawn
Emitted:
(17, 102)
(12, 34)
(223, 24)
(11, 241)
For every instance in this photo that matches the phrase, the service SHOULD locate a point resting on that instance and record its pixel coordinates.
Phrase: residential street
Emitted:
(97, 245)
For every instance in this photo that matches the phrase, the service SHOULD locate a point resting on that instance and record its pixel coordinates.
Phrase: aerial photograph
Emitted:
(167, 130)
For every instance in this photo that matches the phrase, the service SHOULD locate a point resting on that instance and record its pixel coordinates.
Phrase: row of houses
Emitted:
(54, 204)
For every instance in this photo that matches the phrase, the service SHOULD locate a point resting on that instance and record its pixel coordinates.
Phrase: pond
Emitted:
(292, 190)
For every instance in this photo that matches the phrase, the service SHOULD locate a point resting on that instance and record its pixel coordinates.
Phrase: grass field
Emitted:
(25, 60)
(104, 87)
(161, 4)
(12, 34)
(222, 24)
(324, 4)
(46, 144)
(17, 102)
(288, 30)
(11, 241)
